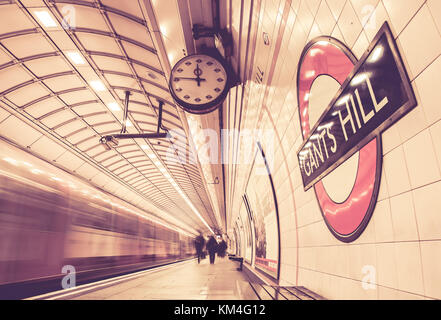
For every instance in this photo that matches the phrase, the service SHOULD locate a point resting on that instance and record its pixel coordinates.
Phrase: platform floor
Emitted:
(184, 281)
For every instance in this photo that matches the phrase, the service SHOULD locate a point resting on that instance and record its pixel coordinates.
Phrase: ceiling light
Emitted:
(113, 106)
(163, 29)
(76, 57)
(11, 161)
(129, 123)
(36, 171)
(46, 19)
(97, 85)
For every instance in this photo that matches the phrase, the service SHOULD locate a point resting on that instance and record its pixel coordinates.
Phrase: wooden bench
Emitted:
(252, 290)
(239, 259)
(266, 292)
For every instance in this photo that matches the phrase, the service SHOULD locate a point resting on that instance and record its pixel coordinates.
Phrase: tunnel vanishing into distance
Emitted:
(220, 150)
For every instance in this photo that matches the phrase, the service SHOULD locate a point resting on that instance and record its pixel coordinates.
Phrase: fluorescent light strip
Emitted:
(97, 85)
(113, 106)
(46, 19)
(165, 173)
(199, 141)
(76, 57)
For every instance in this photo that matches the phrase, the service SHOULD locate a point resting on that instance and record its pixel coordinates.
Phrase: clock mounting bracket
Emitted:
(111, 141)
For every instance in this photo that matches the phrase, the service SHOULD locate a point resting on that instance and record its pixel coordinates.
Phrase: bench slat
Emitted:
(261, 292)
(246, 291)
(299, 293)
(288, 295)
(311, 293)
(275, 294)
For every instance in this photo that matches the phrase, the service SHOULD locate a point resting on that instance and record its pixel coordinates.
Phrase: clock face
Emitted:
(199, 83)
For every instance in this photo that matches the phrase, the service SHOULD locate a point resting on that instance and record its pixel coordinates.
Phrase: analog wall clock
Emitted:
(199, 83)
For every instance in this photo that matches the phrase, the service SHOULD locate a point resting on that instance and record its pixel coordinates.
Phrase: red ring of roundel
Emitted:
(347, 220)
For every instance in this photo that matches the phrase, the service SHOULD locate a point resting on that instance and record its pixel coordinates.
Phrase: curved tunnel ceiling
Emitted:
(70, 81)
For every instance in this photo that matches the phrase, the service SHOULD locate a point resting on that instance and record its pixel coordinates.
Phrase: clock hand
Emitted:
(196, 79)
(198, 73)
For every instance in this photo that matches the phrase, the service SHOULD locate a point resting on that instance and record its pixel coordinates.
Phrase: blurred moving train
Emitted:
(50, 219)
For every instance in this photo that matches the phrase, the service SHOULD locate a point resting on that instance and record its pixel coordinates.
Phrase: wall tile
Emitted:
(337, 34)
(315, 32)
(401, 12)
(429, 94)
(305, 17)
(383, 222)
(349, 24)
(409, 269)
(313, 6)
(412, 123)
(420, 41)
(427, 208)
(361, 256)
(396, 172)
(386, 265)
(435, 10)
(360, 45)
(336, 7)
(391, 139)
(385, 293)
(403, 217)
(431, 258)
(435, 132)
(421, 160)
(376, 20)
(325, 19)
(364, 9)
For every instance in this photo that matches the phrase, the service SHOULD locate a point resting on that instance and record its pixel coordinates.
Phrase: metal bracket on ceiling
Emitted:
(126, 111)
(222, 38)
(111, 141)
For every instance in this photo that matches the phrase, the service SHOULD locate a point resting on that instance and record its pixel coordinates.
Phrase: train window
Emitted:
(147, 230)
(21, 206)
(88, 214)
(125, 224)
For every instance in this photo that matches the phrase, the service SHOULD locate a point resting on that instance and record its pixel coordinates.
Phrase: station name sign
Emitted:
(376, 94)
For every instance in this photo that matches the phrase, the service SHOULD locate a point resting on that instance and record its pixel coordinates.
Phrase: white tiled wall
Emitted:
(402, 242)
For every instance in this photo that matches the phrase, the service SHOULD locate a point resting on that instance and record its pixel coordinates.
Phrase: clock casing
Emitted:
(199, 83)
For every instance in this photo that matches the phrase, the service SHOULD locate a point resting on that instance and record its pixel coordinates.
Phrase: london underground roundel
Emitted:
(346, 220)
(374, 93)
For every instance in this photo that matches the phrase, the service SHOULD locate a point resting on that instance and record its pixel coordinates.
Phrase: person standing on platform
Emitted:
(199, 243)
(222, 249)
(212, 248)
